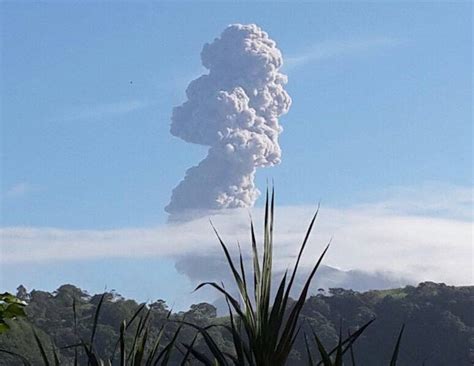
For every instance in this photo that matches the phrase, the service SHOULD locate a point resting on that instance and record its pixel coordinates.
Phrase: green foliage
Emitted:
(263, 329)
(137, 348)
(335, 356)
(439, 332)
(10, 308)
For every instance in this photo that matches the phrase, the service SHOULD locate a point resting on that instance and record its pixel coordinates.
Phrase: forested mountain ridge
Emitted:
(439, 323)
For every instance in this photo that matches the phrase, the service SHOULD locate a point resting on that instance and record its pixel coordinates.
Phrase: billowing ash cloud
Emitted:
(234, 109)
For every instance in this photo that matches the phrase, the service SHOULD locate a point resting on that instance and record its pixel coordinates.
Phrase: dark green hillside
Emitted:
(439, 323)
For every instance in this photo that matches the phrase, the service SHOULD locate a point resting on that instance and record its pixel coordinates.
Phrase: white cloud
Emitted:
(20, 189)
(377, 237)
(329, 49)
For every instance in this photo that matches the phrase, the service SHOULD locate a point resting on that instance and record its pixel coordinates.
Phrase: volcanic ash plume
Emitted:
(234, 109)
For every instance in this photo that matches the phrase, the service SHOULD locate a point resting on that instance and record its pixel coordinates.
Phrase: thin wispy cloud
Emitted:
(20, 190)
(103, 110)
(330, 49)
(373, 237)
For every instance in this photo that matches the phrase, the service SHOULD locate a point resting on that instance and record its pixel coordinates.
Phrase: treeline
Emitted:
(439, 324)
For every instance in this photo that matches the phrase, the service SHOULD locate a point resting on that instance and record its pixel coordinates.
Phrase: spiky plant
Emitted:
(141, 351)
(263, 328)
(335, 356)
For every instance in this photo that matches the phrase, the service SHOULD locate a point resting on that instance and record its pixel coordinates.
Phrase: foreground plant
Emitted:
(263, 328)
(142, 350)
(335, 356)
(11, 308)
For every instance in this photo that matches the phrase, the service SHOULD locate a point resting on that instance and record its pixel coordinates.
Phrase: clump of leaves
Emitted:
(10, 308)
(263, 328)
(142, 350)
(335, 356)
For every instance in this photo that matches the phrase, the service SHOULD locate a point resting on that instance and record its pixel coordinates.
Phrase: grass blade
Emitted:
(96, 318)
(41, 349)
(393, 361)
(22, 358)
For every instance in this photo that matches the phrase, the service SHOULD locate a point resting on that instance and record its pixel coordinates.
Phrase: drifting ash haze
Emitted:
(234, 109)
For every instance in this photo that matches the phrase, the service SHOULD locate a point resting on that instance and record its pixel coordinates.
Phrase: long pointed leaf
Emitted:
(393, 361)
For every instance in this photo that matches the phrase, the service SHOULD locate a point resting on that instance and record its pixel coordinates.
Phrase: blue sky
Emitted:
(382, 98)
